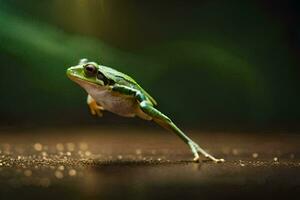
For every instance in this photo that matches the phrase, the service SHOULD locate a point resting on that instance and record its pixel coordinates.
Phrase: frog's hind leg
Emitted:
(165, 122)
(147, 107)
(95, 108)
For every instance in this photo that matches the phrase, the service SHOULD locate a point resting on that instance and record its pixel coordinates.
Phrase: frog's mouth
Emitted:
(80, 80)
(74, 76)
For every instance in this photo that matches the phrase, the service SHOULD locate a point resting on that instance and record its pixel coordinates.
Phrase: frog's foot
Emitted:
(96, 109)
(196, 150)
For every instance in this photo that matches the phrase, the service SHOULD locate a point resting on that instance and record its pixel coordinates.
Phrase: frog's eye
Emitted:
(90, 70)
(101, 77)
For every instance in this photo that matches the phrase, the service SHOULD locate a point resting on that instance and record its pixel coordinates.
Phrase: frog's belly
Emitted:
(119, 104)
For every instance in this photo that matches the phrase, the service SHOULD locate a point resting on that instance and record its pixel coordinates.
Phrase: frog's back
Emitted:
(124, 79)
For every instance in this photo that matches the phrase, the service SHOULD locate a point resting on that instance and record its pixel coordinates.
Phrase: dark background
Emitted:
(210, 65)
(224, 71)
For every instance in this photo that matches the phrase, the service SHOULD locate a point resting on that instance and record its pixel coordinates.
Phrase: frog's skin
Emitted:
(111, 90)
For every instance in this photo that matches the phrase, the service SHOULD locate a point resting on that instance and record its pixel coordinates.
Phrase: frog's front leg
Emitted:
(165, 121)
(95, 108)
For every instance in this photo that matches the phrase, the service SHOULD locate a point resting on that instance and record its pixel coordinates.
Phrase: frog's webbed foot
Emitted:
(95, 108)
(196, 149)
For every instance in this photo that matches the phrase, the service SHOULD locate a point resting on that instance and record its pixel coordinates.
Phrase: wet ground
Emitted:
(146, 164)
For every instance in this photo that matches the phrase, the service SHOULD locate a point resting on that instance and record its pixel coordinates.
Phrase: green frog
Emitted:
(114, 91)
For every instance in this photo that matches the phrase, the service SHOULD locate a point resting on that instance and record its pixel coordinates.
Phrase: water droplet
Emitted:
(27, 172)
(138, 151)
(38, 146)
(60, 147)
(235, 152)
(58, 174)
(72, 172)
(255, 155)
(88, 153)
(44, 153)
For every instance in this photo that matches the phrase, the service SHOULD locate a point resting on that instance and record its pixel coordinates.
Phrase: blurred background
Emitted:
(211, 65)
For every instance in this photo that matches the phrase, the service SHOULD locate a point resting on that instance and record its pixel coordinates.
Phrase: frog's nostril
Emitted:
(69, 71)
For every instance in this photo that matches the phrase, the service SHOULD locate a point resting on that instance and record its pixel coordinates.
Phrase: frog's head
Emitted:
(87, 73)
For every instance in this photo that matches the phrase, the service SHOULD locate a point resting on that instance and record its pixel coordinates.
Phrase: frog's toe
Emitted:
(96, 109)
(97, 112)
(212, 158)
(196, 158)
(220, 160)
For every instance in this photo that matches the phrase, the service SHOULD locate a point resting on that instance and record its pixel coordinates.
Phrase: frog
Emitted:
(111, 90)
